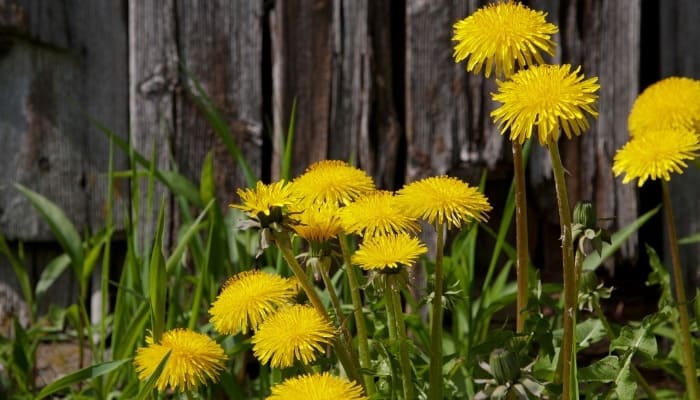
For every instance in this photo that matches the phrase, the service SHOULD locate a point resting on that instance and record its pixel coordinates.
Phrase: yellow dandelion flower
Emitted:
(322, 386)
(194, 358)
(295, 332)
(376, 213)
(266, 203)
(549, 97)
(501, 35)
(388, 251)
(248, 298)
(332, 181)
(655, 154)
(669, 103)
(318, 222)
(443, 199)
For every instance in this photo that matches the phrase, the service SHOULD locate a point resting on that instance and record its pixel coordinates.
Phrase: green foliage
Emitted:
(169, 281)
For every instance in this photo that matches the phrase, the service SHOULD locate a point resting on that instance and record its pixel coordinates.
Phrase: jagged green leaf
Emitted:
(62, 228)
(604, 370)
(636, 339)
(589, 332)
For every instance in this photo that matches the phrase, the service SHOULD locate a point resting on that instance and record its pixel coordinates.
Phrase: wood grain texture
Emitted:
(679, 57)
(300, 32)
(220, 44)
(153, 81)
(60, 62)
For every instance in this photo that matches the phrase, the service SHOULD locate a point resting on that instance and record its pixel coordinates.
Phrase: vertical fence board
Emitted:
(220, 44)
(61, 62)
(300, 33)
(153, 78)
(679, 30)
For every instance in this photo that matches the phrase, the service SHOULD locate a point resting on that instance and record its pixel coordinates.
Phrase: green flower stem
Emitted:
(689, 370)
(566, 368)
(522, 257)
(335, 301)
(344, 356)
(651, 393)
(394, 296)
(435, 389)
(362, 341)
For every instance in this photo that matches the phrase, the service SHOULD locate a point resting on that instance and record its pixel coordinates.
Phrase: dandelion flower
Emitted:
(443, 199)
(318, 222)
(332, 181)
(501, 35)
(376, 213)
(267, 204)
(388, 251)
(295, 332)
(322, 386)
(548, 97)
(248, 298)
(655, 154)
(670, 103)
(194, 358)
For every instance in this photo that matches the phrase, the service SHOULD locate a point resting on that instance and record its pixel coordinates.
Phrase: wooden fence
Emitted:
(374, 81)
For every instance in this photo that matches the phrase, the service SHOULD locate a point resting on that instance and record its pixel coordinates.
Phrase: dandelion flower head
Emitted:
(669, 103)
(318, 222)
(194, 358)
(248, 298)
(502, 35)
(332, 181)
(323, 386)
(295, 332)
(376, 213)
(443, 199)
(266, 203)
(548, 97)
(655, 154)
(388, 251)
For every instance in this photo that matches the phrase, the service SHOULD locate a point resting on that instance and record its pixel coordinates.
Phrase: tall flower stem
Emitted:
(522, 257)
(393, 298)
(362, 341)
(566, 368)
(344, 356)
(324, 264)
(435, 390)
(691, 379)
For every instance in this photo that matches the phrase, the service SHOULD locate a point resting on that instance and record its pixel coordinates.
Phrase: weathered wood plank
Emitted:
(220, 44)
(300, 32)
(680, 57)
(59, 60)
(153, 79)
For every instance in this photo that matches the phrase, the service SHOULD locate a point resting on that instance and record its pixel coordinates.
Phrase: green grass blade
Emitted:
(690, 239)
(21, 273)
(201, 279)
(49, 275)
(62, 228)
(177, 183)
(594, 260)
(93, 254)
(157, 278)
(207, 187)
(92, 371)
(186, 237)
(289, 143)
